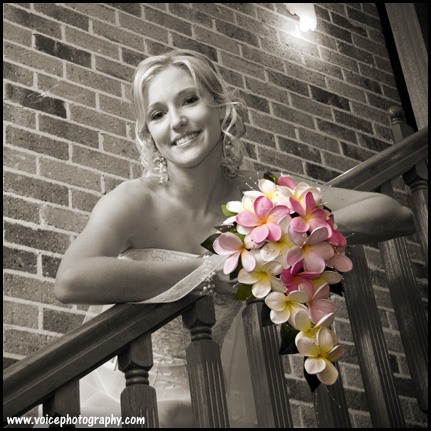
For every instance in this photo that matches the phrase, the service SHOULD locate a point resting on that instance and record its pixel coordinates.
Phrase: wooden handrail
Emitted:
(386, 165)
(30, 381)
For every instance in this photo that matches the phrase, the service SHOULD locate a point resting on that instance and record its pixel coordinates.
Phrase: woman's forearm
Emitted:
(373, 220)
(109, 280)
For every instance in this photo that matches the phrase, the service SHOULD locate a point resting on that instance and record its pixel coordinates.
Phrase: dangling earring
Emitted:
(162, 168)
(227, 148)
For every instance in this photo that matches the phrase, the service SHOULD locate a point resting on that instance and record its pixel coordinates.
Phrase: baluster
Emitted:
(267, 374)
(207, 389)
(383, 401)
(330, 405)
(409, 309)
(65, 401)
(416, 178)
(138, 399)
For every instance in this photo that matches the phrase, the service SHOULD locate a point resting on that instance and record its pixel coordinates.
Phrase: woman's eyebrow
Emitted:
(180, 94)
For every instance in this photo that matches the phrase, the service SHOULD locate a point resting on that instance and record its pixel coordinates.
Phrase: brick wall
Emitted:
(317, 107)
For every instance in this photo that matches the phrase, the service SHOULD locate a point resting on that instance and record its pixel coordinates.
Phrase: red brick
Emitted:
(121, 147)
(32, 21)
(353, 121)
(62, 50)
(23, 342)
(41, 239)
(180, 41)
(363, 18)
(311, 107)
(131, 8)
(18, 115)
(62, 14)
(29, 288)
(284, 81)
(96, 10)
(115, 69)
(260, 137)
(238, 33)
(32, 59)
(16, 34)
(216, 10)
(19, 260)
(242, 66)
(274, 125)
(66, 90)
(92, 118)
(59, 321)
(20, 209)
(84, 201)
(167, 21)
(286, 163)
(293, 115)
(35, 100)
(337, 59)
(23, 315)
(151, 30)
(70, 174)
(37, 143)
(190, 14)
(17, 74)
(97, 44)
(318, 140)
(297, 149)
(263, 58)
(337, 162)
(35, 188)
(320, 173)
(50, 266)
(210, 37)
(64, 219)
(19, 160)
(118, 35)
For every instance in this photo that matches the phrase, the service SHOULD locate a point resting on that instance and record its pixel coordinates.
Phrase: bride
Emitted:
(148, 231)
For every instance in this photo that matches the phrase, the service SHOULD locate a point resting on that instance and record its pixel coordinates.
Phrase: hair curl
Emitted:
(205, 76)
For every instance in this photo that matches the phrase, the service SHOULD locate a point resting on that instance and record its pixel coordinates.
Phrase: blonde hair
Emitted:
(205, 76)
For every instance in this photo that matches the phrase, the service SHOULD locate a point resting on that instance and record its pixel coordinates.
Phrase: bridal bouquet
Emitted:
(282, 244)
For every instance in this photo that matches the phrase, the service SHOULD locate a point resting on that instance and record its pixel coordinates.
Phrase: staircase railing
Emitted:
(51, 375)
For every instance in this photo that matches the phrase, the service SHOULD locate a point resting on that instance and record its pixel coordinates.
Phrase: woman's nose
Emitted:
(177, 119)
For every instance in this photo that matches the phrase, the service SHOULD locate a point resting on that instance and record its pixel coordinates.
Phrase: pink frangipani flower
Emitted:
(231, 245)
(309, 217)
(264, 221)
(292, 277)
(313, 249)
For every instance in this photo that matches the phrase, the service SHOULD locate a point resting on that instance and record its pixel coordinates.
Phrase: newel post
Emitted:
(267, 374)
(416, 178)
(207, 388)
(138, 399)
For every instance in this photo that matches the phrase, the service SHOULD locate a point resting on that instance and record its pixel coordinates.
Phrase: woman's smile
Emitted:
(185, 140)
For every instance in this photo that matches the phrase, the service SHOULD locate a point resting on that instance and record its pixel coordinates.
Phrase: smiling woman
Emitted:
(144, 239)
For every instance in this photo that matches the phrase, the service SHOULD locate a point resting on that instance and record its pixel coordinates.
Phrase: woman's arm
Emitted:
(91, 273)
(365, 217)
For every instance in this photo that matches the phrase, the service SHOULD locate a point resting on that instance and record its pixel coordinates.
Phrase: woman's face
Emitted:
(183, 125)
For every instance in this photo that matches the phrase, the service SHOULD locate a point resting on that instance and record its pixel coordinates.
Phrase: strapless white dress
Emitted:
(100, 390)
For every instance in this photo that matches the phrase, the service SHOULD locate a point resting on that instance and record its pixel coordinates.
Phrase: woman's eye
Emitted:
(156, 116)
(191, 99)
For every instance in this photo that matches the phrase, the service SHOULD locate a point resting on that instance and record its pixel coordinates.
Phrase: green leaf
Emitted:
(225, 228)
(270, 177)
(244, 293)
(208, 243)
(266, 319)
(336, 288)
(226, 212)
(288, 334)
(312, 380)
